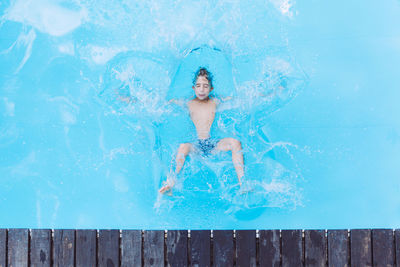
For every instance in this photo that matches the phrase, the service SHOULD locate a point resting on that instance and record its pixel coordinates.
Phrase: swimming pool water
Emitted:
(314, 90)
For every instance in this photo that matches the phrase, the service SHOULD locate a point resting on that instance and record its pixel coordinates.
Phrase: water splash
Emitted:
(46, 16)
(284, 6)
(266, 185)
(126, 69)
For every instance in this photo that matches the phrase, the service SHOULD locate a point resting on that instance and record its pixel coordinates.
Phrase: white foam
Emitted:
(26, 40)
(68, 117)
(284, 6)
(24, 167)
(67, 48)
(46, 16)
(100, 55)
(113, 153)
(120, 183)
(68, 109)
(9, 107)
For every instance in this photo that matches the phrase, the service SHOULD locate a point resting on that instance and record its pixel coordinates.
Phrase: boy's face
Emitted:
(202, 88)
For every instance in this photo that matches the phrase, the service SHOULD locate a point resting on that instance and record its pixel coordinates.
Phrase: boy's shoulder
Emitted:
(212, 100)
(191, 102)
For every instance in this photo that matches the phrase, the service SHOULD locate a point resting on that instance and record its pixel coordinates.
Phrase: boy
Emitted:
(202, 112)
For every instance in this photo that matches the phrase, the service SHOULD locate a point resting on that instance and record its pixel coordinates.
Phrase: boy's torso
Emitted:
(202, 114)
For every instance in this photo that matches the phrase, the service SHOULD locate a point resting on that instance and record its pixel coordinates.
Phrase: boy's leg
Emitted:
(235, 146)
(183, 151)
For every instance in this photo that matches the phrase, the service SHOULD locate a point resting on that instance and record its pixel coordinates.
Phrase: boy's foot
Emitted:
(165, 188)
(168, 184)
(245, 187)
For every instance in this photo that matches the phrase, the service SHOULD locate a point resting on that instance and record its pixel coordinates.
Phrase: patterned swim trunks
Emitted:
(205, 146)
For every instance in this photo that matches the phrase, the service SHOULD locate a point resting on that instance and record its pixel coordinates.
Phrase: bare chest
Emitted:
(202, 112)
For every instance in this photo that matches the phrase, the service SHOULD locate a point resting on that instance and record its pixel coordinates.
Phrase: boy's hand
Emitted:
(167, 185)
(125, 99)
(226, 98)
(174, 101)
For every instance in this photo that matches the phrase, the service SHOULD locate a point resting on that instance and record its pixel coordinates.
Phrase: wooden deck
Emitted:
(112, 248)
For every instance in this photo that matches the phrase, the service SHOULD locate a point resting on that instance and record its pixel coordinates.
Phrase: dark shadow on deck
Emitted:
(112, 248)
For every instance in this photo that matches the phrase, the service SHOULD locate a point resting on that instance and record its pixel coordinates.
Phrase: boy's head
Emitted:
(205, 73)
(202, 83)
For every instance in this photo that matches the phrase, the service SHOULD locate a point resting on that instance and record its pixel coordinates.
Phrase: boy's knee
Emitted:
(235, 144)
(184, 148)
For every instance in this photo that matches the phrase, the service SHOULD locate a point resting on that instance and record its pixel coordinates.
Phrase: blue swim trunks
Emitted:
(205, 146)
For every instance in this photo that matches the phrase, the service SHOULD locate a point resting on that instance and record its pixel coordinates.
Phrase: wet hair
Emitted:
(205, 73)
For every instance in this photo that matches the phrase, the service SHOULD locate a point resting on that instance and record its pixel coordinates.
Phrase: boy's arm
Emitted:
(271, 94)
(178, 102)
(174, 101)
(125, 98)
(220, 100)
(226, 98)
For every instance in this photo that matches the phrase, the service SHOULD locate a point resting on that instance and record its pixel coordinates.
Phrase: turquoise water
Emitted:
(314, 88)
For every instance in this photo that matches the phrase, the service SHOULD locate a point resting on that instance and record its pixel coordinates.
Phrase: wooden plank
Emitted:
(63, 248)
(338, 248)
(108, 248)
(18, 247)
(360, 247)
(397, 245)
(40, 250)
(381, 252)
(223, 249)
(270, 248)
(200, 248)
(246, 248)
(86, 248)
(383, 247)
(153, 248)
(3, 247)
(177, 248)
(292, 251)
(315, 248)
(131, 248)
